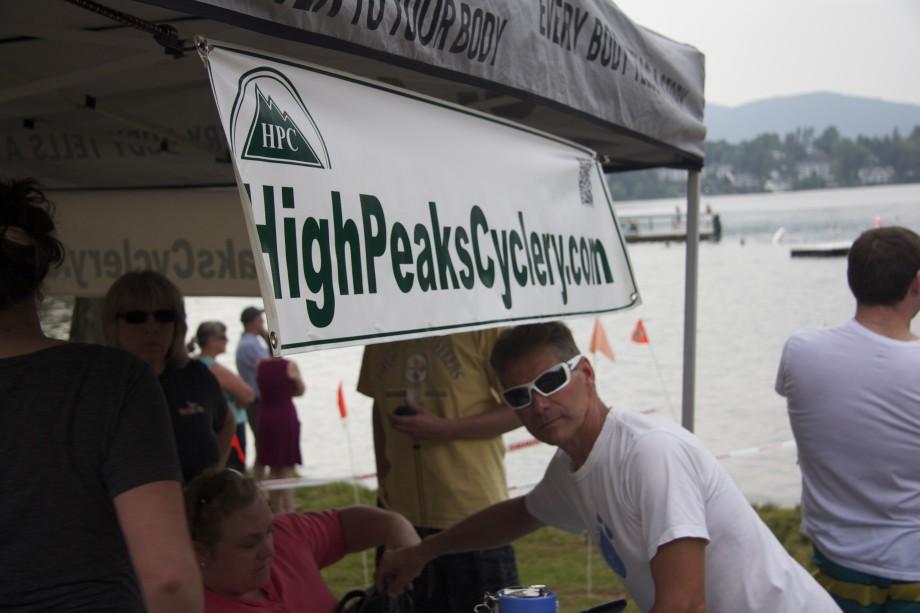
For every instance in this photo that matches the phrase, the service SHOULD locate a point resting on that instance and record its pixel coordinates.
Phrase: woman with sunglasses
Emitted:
(253, 561)
(211, 338)
(91, 513)
(144, 314)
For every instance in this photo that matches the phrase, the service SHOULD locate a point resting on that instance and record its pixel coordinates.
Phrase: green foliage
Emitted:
(798, 160)
(643, 184)
(548, 556)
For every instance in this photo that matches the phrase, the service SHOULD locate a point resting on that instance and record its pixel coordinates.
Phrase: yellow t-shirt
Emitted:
(449, 376)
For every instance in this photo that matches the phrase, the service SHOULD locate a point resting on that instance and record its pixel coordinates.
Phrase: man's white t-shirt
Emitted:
(854, 406)
(648, 482)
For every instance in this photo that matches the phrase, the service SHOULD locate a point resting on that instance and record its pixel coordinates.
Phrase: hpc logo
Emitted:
(271, 123)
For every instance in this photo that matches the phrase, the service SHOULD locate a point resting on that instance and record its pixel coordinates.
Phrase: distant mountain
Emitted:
(851, 115)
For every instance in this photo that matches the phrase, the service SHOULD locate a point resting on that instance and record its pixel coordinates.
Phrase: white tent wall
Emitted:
(196, 237)
(91, 103)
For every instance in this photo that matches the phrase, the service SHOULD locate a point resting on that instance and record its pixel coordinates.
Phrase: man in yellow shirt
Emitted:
(438, 423)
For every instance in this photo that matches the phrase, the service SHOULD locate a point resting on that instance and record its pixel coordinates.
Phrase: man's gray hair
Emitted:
(514, 343)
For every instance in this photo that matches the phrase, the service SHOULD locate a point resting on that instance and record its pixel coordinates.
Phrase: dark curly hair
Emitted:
(882, 264)
(28, 247)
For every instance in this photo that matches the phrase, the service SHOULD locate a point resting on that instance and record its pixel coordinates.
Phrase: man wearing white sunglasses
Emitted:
(664, 513)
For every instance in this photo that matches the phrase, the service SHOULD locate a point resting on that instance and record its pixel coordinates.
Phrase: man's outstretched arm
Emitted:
(492, 527)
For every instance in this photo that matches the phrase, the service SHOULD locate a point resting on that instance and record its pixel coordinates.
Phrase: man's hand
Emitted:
(492, 527)
(424, 425)
(398, 568)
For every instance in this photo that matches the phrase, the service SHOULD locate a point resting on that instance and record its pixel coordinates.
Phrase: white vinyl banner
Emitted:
(380, 214)
(196, 237)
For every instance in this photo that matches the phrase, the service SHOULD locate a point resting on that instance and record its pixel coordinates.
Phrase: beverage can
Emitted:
(528, 599)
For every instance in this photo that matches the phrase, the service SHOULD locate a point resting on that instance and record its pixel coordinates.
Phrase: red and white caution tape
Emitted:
(523, 444)
(297, 483)
(752, 451)
(532, 441)
(300, 482)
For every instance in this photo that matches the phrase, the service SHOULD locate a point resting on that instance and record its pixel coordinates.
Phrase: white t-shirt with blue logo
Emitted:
(648, 482)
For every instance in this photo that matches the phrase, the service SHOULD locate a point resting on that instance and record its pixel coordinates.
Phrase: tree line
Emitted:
(799, 160)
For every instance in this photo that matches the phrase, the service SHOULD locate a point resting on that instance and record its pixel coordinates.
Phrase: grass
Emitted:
(548, 556)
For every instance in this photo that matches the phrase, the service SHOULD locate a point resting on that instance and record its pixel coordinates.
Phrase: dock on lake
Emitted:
(667, 228)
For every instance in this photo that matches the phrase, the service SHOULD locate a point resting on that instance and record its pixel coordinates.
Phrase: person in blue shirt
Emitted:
(253, 348)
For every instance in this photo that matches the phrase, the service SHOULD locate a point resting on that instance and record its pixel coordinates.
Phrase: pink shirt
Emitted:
(304, 544)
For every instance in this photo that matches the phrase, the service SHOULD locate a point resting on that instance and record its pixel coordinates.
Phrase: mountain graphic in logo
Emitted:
(270, 122)
(274, 136)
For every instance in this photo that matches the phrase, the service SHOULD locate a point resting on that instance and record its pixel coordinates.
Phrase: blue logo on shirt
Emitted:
(605, 542)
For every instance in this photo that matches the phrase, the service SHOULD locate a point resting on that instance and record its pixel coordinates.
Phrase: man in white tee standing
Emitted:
(853, 393)
(664, 513)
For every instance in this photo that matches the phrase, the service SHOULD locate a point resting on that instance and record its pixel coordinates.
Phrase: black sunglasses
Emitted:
(546, 383)
(163, 316)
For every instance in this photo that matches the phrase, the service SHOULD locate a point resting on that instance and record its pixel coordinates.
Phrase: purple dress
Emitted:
(277, 426)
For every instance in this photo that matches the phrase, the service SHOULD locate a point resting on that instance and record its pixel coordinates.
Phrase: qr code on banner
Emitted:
(584, 181)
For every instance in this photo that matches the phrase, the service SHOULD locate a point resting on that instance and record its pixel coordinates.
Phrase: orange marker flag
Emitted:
(639, 335)
(343, 411)
(599, 342)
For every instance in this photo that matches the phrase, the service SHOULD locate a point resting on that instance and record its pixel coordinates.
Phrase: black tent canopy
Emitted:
(112, 95)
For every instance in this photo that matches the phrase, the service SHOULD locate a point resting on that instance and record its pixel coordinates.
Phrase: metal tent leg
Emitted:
(690, 299)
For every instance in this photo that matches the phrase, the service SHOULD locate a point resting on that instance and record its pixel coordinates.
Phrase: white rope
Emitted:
(752, 451)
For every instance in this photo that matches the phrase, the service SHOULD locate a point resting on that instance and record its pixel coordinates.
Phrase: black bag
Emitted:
(372, 601)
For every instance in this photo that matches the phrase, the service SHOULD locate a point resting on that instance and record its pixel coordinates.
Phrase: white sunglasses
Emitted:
(546, 383)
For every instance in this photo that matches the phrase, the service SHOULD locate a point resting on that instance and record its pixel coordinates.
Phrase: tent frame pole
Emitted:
(691, 278)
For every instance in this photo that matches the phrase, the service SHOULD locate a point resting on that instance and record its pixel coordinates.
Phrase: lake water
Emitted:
(752, 296)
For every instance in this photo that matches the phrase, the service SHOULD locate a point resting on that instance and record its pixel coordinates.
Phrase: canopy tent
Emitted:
(92, 102)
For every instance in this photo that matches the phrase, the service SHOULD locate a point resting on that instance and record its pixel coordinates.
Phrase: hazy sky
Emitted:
(758, 49)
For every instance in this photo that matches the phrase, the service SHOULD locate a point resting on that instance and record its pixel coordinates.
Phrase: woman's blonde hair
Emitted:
(146, 290)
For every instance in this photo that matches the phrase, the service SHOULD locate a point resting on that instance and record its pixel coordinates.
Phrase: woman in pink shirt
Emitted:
(254, 561)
